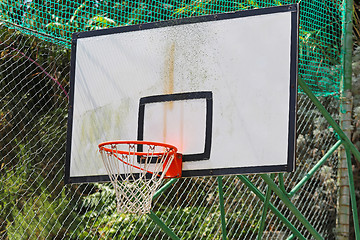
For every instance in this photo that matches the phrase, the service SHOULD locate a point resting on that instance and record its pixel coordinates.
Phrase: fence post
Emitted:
(291, 206)
(352, 194)
(343, 202)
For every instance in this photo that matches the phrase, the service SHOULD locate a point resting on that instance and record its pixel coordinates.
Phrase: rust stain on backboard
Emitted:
(168, 83)
(169, 68)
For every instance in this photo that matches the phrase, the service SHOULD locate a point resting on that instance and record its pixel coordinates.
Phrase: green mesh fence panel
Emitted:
(56, 20)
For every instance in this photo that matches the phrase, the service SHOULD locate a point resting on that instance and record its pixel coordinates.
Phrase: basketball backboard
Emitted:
(221, 88)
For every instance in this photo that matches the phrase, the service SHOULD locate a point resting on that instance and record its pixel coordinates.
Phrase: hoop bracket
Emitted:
(175, 168)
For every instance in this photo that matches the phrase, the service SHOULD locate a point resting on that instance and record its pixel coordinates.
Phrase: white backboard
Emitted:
(221, 88)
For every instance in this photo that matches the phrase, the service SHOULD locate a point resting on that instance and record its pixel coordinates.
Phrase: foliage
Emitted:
(33, 201)
(40, 216)
(103, 221)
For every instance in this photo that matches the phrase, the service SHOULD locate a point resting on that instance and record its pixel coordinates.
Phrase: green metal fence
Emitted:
(34, 84)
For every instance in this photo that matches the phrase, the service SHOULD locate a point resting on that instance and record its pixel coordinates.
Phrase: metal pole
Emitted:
(314, 169)
(162, 225)
(290, 237)
(163, 188)
(222, 208)
(343, 201)
(282, 185)
(291, 206)
(157, 220)
(352, 194)
(329, 119)
(265, 209)
(288, 224)
(347, 45)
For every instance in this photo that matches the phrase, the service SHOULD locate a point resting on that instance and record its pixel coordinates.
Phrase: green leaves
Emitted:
(62, 18)
(99, 22)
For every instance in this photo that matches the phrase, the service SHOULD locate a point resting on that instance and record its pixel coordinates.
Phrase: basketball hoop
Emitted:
(136, 170)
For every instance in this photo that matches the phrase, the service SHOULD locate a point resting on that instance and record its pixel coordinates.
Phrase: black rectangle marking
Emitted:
(207, 95)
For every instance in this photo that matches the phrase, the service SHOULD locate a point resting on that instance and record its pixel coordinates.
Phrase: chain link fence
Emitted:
(35, 203)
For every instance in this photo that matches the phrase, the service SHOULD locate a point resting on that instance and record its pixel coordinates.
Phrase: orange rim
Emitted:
(172, 150)
(102, 147)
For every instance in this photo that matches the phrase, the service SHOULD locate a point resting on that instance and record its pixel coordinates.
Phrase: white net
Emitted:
(136, 170)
